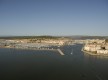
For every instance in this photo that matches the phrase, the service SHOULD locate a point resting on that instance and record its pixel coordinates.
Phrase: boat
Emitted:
(72, 52)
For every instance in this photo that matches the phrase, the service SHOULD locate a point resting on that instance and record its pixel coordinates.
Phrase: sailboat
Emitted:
(72, 52)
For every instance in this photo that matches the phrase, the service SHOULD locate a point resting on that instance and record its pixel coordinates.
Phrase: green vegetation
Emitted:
(30, 37)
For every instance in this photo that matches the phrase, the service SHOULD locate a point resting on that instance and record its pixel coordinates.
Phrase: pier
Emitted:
(54, 50)
(60, 51)
(47, 49)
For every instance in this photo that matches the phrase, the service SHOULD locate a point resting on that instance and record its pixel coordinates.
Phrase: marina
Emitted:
(53, 39)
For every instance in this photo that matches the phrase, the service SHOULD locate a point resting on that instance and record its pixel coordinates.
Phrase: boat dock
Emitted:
(54, 50)
(60, 51)
(47, 49)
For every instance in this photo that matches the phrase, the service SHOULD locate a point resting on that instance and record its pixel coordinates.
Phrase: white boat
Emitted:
(72, 52)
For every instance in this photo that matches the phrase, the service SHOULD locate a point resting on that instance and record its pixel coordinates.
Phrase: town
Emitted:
(96, 47)
(37, 43)
(92, 46)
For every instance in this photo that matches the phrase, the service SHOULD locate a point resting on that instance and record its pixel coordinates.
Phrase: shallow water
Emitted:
(50, 65)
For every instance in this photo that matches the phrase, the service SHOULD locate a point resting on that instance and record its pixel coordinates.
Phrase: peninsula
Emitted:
(96, 47)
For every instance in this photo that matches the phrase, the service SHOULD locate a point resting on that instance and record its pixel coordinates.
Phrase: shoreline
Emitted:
(91, 53)
(59, 51)
(27, 48)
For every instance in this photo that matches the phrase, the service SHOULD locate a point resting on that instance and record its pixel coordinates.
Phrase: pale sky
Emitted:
(53, 17)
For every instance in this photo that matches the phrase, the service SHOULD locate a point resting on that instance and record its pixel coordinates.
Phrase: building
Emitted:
(101, 51)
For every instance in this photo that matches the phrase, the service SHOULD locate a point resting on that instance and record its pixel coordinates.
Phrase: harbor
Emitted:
(47, 64)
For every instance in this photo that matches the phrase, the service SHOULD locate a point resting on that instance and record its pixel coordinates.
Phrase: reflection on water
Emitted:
(50, 65)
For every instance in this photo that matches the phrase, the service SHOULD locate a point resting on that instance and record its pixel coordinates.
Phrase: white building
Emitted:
(101, 51)
(92, 47)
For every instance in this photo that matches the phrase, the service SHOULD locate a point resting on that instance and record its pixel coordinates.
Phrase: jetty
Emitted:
(60, 51)
(46, 49)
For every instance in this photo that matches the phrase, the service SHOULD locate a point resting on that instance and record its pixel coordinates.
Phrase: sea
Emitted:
(20, 64)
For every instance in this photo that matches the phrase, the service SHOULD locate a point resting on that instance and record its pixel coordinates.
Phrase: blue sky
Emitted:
(53, 17)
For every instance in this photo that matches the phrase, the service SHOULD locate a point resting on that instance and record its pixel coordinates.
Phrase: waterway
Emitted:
(16, 64)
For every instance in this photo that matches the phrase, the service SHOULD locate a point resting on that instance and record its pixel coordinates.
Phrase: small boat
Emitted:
(72, 52)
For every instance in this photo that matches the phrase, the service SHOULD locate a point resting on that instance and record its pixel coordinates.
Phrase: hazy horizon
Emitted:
(49, 35)
(53, 17)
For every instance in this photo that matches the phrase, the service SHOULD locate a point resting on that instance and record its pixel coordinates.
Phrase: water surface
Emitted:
(50, 65)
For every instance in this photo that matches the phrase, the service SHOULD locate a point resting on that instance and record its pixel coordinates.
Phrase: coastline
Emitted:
(91, 53)
(28, 48)
(41, 49)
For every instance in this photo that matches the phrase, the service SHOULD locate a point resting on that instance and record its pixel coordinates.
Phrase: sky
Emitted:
(53, 17)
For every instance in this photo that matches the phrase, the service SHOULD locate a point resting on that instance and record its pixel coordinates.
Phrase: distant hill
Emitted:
(28, 37)
(88, 37)
(55, 37)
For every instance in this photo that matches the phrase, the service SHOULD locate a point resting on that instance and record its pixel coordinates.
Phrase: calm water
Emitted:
(50, 65)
